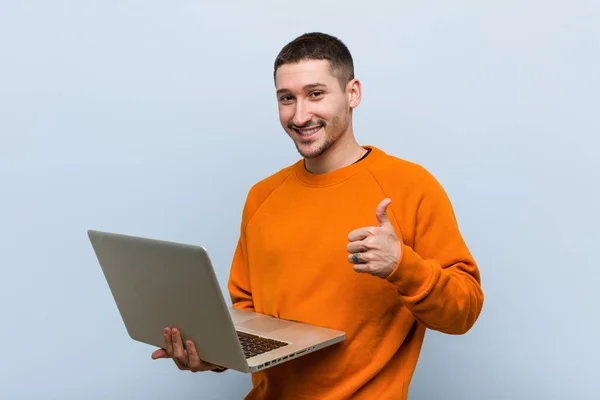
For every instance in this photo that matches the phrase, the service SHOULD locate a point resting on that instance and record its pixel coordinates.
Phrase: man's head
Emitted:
(316, 92)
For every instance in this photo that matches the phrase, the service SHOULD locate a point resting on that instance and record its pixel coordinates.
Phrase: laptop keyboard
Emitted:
(254, 345)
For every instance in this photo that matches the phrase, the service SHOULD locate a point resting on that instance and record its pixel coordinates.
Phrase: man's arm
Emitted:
(439, 280)
(239, 281)
(239, 286)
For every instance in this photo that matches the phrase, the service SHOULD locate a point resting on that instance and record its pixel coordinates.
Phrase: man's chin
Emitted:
(309, 156)
(312, 150)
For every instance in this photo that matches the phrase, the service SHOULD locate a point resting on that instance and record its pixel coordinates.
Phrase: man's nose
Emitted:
(301, 115)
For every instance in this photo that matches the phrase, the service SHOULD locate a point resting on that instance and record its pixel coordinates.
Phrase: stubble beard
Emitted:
(316, 152)
(337, 128)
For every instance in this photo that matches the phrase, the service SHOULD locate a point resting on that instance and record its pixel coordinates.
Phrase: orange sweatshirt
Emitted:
(291, 262)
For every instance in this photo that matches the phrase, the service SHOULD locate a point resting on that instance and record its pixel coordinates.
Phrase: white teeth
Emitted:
(309, 132)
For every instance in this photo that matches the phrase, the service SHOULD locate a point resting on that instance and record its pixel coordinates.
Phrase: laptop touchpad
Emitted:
(263, 324)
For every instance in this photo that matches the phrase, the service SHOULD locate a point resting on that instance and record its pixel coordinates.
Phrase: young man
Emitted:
(349, 238)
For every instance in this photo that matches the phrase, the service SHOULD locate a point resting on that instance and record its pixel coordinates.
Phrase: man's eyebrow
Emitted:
(314, 85)
(306, 87)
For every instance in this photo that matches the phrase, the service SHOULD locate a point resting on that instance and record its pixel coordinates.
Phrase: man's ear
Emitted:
(354, 92)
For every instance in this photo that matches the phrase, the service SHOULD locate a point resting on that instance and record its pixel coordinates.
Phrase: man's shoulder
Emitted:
(394, 169)
(407, 181)
(262, 189)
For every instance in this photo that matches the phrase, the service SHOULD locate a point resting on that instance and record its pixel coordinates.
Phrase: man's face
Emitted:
(313, 108)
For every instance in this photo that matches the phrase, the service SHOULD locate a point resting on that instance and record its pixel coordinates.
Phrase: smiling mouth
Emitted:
(307, 131)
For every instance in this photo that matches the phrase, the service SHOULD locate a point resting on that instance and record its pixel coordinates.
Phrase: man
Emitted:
(348, 238)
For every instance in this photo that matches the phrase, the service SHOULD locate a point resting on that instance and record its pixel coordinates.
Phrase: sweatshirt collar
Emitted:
(340, 174)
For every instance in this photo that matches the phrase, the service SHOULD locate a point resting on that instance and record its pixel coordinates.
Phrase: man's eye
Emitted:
(316, 94)
(286, 98)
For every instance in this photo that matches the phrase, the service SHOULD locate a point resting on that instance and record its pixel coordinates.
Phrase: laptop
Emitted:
(157, 283)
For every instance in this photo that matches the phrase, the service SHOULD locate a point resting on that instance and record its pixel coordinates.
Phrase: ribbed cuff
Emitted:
(413, 276)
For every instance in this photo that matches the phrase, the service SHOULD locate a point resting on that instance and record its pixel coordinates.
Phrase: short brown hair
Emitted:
(319, 46)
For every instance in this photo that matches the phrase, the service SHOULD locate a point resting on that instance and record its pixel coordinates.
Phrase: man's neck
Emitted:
(339, 155)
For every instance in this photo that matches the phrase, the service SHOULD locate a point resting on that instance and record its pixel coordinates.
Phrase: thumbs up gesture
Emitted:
(375, 250)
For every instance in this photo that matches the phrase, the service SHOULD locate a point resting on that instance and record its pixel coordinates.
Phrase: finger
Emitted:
(160, 353)
(194, 360)
(357, 247)
(356, 258)
(178, 350)
(381, 212)
(168, 342)
(362, 268)
(182, 366)
(196, 364)
(359, 234)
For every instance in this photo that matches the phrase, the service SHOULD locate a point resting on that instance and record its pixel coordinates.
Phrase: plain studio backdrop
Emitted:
(155, 118)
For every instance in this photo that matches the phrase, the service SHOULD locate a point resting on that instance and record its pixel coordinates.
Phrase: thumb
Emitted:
(381, 212)
(160, 353)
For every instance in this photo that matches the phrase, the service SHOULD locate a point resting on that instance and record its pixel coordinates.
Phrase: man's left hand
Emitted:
(375, 250)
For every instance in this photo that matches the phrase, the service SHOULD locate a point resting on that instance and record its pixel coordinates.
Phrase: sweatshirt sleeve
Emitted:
(239, 282)
(438, 279)
(239, 288)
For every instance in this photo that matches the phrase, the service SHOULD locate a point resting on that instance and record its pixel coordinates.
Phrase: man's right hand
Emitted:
(185, 357)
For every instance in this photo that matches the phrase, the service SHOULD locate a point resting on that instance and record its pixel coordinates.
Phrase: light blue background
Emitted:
(155, 118)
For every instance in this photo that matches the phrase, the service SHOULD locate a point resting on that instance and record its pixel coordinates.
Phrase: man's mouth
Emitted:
(308, 131)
